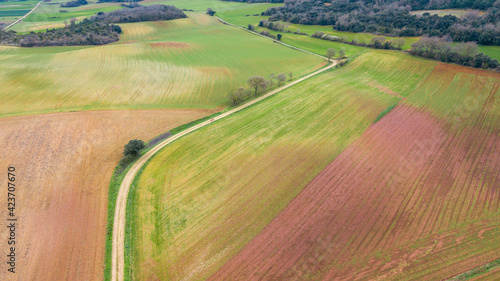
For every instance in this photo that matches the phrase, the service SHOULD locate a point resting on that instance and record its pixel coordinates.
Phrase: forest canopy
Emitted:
(97, 30)
(140, 13)
(393, 17)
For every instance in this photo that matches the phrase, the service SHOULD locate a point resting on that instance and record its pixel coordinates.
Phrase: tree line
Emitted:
(378, 42)
(257, 85)
(86, 32)
(393, 17)
(75, 3)
(442, 49)
(140, 13)
(97, 30)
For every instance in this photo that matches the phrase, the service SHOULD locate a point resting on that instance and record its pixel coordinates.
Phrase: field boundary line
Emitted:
(117, 252)
(17, 21)
(477, 271)
(274, 40)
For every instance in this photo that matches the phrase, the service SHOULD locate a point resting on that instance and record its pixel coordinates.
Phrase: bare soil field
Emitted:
(63, 165)
(415, 197)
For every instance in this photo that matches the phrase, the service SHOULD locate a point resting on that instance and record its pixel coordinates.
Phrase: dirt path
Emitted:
(64, 162)
(117, 264)
(14, 23)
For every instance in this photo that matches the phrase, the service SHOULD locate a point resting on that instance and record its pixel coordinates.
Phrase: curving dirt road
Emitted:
(117, 255)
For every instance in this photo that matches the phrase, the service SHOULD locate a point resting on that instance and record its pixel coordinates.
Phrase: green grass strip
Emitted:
(114, 186)
(477, 271)
(385, 112)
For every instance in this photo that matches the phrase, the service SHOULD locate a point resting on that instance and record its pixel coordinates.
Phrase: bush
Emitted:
(133, 148)
(466, 54)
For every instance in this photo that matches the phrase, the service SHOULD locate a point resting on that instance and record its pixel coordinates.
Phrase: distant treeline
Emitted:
(393, 17)
(97, 30)
(75, 3)
(140, 13)
(378, 42)
(442, 49)
(86, 32)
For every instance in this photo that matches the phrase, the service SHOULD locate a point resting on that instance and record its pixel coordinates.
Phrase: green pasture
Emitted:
(205, 196)
(187, 63)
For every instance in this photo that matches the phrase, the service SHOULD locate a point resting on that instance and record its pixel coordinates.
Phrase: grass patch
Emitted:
(186, 63)
(476, 271)
(13, 13)
(385, 112)
(114, 187)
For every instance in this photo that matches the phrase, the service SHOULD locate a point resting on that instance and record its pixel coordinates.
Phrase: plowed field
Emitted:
(63, 165)
(416, 197)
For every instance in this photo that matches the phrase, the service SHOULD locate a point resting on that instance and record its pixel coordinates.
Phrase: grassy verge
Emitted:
(131, 204)
(385, 112)
(114, 186)
(477, 271)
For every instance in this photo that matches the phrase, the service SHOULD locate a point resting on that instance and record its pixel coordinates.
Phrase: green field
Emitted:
(48, 15)
(205, 196)
(452, 12)
(492, 51)
(13, 13)
(177, 64)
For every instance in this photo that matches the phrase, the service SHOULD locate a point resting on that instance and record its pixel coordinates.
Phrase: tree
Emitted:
(251, 27)
(271, 78)
(398, 43)
(133, 147)
(237, 97)
(279, 37)
(330, 53)
(468, 49)
(281, 78)
(210, 12)
(341, 53)
(257, 82)
(72, 21)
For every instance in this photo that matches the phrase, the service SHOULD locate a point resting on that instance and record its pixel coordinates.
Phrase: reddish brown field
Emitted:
(63, 164)
(414, 197)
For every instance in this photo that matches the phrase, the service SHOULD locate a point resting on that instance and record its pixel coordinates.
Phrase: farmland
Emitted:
(435, 155)
(193, 68)
(64, 163)
(169, 73)
(11, 11)
(442, 13)
(193, 213)
(48, 15)
(386, 168)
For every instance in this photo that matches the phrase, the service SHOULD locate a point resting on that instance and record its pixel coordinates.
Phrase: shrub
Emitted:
(133, 148)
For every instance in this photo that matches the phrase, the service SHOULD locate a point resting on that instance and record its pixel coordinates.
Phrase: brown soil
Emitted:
(370, 213)
(64, 162)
